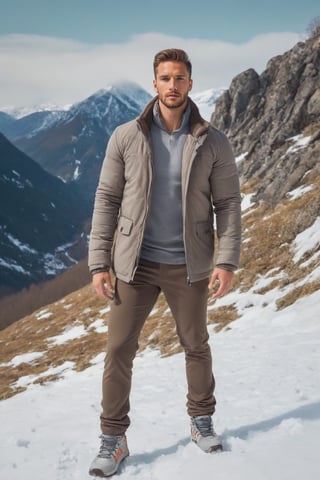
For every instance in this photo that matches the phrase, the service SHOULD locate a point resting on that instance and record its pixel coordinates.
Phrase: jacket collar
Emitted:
(198, 126)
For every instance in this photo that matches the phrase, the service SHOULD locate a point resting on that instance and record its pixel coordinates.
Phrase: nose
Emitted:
(173, 85)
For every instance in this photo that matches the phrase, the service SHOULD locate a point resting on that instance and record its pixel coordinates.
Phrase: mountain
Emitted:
(31, 124)
(40, 220)
(20, 112)
(71, 144)
(206, 101)
(68, 143)
(273, 121)
(6, 122)
(264, 334)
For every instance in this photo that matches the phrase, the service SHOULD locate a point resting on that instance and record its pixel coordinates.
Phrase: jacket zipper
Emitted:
(196, 144)
(145, 216)
(185, 212)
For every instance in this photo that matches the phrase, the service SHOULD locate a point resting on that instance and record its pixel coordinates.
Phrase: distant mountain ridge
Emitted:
(273, 123)
(40, 220)
(70, 144)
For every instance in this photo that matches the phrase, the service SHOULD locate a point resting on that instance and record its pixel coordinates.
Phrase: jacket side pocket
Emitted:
(125, 225)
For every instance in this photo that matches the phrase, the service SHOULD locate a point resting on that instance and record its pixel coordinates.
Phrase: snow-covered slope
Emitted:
(206, 101)
(268, 410)
(266, 365)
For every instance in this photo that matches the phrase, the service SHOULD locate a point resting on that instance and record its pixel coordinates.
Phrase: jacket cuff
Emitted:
(100, 269)
(227, 266)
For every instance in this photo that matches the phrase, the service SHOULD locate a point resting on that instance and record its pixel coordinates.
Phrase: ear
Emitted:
(190, 85)
(155, 86)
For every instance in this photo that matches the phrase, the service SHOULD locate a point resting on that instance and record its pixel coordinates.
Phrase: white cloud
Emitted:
(37, 69)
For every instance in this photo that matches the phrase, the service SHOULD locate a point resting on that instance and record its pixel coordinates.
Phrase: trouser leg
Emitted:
(188, 304)
(127, 316)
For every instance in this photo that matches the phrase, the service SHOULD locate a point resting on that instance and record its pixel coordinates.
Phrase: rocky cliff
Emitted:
(273, 121)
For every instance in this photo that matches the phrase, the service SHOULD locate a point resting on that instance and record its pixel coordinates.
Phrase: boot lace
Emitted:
(108, 445)
(204, 425)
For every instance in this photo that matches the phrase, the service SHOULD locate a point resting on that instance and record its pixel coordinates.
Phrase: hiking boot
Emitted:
(203, 434)
(113, 450)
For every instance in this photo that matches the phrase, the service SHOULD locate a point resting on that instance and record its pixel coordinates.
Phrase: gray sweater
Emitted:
(163, 238)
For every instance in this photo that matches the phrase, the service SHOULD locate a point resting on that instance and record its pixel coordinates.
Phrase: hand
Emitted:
(225, 277)
(101, 282)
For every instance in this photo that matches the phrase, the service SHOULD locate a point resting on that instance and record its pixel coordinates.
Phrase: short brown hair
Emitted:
(173, 55)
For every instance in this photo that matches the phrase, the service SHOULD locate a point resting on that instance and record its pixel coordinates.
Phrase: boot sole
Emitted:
(213, 449)
(96, 472)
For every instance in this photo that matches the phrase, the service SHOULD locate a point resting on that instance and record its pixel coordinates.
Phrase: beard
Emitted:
(176, 103)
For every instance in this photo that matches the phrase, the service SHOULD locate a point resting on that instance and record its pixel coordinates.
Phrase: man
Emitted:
(164, 176)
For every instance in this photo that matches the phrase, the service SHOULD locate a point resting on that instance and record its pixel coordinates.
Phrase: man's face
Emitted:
(172, 84)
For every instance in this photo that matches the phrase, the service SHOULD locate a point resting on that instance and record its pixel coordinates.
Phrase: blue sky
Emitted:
(62, 51)
(97, 21)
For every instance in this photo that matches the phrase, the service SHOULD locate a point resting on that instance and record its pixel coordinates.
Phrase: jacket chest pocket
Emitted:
(125, 225)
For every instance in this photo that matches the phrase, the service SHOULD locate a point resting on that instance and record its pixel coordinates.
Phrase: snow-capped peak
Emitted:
(206, 100)
(20, 112)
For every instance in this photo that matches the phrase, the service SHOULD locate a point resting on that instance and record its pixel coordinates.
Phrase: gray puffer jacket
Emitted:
(210, 185)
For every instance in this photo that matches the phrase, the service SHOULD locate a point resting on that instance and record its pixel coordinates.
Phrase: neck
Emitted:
(172, 117)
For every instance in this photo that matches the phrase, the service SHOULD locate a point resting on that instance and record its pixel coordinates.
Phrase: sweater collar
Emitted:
(198, 126)
(157, 119)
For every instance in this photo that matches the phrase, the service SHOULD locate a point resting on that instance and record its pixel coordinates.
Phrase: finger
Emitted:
(103, 287)
(219, 293)
(222, 290)
(213, 280)
(101, 291)
(109, 290)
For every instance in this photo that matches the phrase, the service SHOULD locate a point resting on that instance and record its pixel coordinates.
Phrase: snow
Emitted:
(268, 406)
(22, 247)
(247, 201)
(299, 142)
(99, 326)
(206, 101)
(23, 358)
(68, 334)
(307, 240)
(20, 112)
(52, 264)
(299, 191)
(27, 380)
(13, 265)
(43, 314)
(240, 158)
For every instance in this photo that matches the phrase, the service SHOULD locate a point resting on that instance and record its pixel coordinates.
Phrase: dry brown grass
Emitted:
(268, 236)
(296, 293)
(32, 334)
(222, 316)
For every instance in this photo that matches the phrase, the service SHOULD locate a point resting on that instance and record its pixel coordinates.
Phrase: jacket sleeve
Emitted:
(226, 200)
(106, 206)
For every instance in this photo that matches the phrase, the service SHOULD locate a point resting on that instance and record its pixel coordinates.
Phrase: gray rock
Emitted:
(262, 116)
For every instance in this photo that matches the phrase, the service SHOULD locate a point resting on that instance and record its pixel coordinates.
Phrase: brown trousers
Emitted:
(132, 305)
